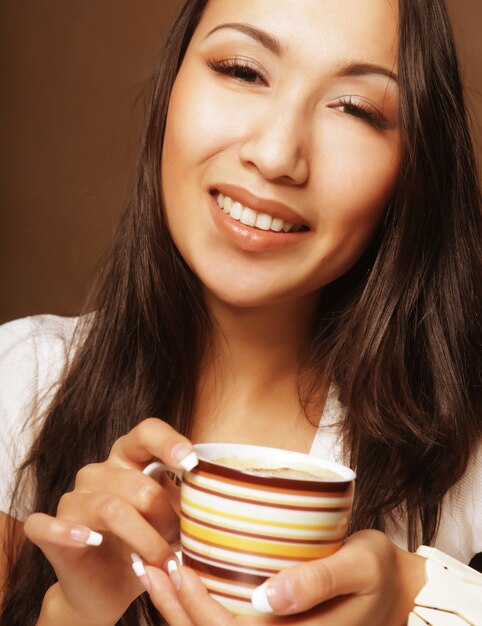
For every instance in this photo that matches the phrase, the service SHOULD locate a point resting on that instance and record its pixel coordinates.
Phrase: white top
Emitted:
(33, 352)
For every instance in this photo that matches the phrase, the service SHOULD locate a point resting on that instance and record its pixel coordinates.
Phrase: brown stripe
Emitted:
(230, 596)
(315, 542)
(268, 487)
(248, 552)
(241, 578)
(283, 484)
(334, 509)
(223, 563)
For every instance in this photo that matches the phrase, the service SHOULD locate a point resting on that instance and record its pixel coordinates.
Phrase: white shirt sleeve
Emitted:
(460, 530)
(33, 353)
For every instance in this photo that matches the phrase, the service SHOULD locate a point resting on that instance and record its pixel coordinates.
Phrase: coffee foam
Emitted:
(299, 472)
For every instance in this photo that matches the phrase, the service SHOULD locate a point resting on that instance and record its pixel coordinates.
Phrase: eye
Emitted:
(363, 111)
(240, 69)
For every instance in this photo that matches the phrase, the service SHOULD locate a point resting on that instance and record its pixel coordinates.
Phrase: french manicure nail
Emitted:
(273, 595)
(137, 565)
(174, 574)
(259, 599)
(83, 534)
(185, 456)
(140, 571)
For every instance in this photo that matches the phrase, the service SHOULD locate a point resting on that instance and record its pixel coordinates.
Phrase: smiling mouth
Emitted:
(255, 219)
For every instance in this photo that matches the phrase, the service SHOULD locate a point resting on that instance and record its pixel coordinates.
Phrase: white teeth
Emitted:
(264, 221)
(277, 225)
(228, 203)
(236, 210)
(250, 217)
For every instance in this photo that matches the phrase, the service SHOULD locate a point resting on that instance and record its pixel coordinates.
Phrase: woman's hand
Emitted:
(368, 581)
(133, 513)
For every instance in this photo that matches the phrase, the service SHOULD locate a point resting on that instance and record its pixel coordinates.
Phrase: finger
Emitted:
(205, 611)
(194, 598)
(355, 569)
(75, 551)
(55, 537)
(41, 528)
(153, 439)
(165, 599)
(151, 499)
(107, 512)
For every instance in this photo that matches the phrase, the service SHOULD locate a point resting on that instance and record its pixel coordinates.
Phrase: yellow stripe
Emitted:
(256, 546)
(240, 518)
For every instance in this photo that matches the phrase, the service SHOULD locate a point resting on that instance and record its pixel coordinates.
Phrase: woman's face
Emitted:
(283, 117)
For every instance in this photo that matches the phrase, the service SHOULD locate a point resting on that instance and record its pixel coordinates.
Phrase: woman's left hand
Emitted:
(368, 581)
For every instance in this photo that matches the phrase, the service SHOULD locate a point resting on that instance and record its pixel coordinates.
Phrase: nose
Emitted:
(277, 145)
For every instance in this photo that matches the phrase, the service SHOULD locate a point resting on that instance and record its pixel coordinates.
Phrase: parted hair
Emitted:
(398, 333)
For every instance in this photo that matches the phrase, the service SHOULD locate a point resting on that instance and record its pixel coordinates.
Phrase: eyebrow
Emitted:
(359, 68)
(272, 43)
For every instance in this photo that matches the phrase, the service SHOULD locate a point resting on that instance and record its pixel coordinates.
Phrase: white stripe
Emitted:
(265, 494)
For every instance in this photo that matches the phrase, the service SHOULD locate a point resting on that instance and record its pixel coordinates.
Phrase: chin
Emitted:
(251, 296)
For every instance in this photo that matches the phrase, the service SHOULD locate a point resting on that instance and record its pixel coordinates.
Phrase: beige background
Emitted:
(72, 79)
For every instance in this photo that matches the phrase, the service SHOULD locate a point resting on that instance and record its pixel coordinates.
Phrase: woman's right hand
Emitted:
(132, 511)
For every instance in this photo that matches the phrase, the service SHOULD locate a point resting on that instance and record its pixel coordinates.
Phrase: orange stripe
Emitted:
(253, 546)
(247, 563)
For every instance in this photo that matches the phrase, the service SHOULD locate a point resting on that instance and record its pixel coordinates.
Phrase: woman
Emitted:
(315, 254)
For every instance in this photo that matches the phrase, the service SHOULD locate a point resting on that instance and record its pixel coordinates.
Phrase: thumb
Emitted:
(352, 569)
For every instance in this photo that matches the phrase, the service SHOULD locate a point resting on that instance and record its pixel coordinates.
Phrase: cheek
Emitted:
(358, 177)
(198, 126)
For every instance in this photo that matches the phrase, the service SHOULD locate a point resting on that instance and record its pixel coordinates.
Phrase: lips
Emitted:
(264, 215)
(250, 217)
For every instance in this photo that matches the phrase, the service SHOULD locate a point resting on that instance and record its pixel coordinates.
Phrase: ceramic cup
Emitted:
(243, 520)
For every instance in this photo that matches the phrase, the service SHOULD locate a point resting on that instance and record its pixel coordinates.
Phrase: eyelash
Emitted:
(364, 112)
(229, 67)
(244, 70)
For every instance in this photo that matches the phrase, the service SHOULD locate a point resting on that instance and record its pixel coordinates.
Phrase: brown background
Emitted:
(72, 80)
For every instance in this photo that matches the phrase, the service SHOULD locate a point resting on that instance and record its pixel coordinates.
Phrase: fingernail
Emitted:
(174, 573)
(185, 456)
(137, 565)
(273, 595)
(85, 535)
(140, 572)
(259, 599)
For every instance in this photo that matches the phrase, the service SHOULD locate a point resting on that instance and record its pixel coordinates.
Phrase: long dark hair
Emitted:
(397, 333)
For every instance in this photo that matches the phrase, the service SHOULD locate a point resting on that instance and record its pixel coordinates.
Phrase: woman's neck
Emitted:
(249, 387)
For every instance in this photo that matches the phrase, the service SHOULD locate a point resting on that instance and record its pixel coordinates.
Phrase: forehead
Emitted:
(365, 29)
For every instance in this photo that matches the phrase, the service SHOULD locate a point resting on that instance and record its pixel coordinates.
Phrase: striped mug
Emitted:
(249, 511)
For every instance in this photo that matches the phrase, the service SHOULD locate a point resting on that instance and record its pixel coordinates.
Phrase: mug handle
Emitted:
(156, 468)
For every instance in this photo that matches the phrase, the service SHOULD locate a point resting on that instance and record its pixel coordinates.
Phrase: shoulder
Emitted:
(28, 331)
(33, 352)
